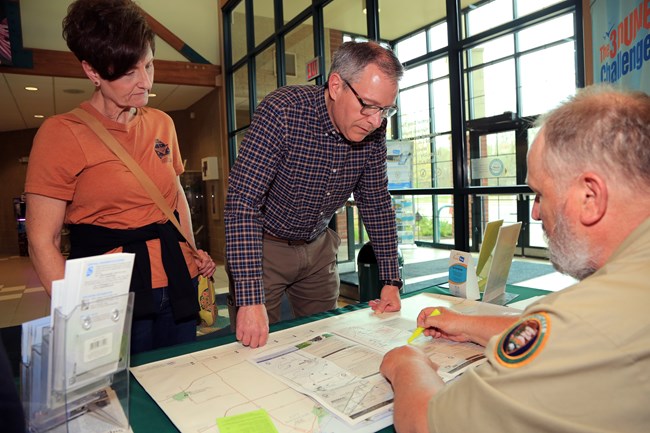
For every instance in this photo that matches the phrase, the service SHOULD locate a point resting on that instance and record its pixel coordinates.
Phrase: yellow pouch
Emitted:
(207, 301)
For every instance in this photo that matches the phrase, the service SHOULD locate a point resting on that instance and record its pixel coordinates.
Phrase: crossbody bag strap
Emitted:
(119, 151)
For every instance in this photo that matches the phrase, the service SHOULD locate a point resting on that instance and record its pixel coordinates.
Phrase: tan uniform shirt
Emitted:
(577, 361)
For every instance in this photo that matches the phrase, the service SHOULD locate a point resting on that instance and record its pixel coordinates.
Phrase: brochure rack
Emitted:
(77, 378)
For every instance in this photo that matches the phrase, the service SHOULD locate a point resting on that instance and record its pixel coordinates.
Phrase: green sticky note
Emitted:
(257, 421)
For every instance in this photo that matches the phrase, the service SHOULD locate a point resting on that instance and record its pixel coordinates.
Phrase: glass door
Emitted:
(347, 225)
(497, 158)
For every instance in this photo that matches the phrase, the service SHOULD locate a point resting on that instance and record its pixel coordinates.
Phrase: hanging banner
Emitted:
(5, 43)
(621, 43)
(399, 164)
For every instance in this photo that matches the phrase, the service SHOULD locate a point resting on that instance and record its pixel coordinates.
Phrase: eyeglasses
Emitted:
(368, 109)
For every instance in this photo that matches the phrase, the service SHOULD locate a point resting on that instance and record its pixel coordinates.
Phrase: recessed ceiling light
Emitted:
(38, 116)
(31, 88)
(152, 95)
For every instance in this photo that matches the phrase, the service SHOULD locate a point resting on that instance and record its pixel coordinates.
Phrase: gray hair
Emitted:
(352, 57)
(601, 127)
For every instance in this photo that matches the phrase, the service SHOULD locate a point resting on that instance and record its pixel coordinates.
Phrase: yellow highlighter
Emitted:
(419, 329)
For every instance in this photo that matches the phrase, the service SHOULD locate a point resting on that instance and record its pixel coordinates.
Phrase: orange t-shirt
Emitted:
(69, 162)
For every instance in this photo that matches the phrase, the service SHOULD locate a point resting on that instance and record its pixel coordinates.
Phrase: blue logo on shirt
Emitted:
(162, 149)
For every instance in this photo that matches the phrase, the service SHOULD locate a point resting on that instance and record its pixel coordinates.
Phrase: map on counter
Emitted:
(197, 388)
(452, 358)
(339, 373)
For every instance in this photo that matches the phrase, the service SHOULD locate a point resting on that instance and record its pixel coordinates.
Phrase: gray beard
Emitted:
(569, 254)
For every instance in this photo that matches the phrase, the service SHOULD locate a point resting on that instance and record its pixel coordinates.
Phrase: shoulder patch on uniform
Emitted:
(523, 341)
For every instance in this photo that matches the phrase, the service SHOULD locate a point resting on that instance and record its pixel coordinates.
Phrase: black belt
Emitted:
(288, 241)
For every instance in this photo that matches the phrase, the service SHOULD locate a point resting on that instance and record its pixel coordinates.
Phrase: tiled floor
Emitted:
(22, 298)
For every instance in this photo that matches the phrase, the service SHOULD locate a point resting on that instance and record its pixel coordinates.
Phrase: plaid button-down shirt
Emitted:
(293, 172)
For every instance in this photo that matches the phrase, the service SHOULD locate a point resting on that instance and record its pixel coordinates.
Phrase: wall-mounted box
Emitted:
(210, 168)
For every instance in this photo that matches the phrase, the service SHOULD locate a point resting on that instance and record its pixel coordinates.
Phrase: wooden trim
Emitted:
(588, 42)
(65, 64)
(196, 74)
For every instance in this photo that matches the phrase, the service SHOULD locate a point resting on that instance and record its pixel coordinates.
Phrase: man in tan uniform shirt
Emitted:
(579, 359)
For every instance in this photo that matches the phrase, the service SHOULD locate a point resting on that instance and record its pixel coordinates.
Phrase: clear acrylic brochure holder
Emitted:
(78, 379)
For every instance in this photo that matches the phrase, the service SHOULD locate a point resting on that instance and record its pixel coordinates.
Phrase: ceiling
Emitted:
(194, 22)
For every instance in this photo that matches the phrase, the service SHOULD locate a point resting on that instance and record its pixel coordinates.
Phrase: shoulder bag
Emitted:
(206, 294)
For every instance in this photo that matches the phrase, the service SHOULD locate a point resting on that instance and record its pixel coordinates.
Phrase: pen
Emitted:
(419, 329)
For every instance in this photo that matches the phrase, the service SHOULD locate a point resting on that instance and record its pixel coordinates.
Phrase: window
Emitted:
(518, 57)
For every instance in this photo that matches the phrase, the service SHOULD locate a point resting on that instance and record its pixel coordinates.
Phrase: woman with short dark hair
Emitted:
(74, 178)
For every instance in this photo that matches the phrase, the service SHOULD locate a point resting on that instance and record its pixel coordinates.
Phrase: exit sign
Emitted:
(313, 68)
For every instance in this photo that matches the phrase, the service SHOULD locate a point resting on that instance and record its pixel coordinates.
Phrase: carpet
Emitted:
(519, 271)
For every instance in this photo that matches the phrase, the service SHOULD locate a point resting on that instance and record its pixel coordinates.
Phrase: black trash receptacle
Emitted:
(368, 270)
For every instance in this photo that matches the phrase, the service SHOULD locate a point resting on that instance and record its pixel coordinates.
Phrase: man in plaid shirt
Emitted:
(307, 150)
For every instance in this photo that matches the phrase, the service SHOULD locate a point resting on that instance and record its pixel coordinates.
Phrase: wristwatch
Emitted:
(396, 283)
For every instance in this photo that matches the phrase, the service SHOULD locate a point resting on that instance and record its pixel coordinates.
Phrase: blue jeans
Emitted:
(160, 330)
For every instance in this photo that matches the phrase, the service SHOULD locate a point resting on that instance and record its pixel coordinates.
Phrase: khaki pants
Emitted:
(306, 273)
